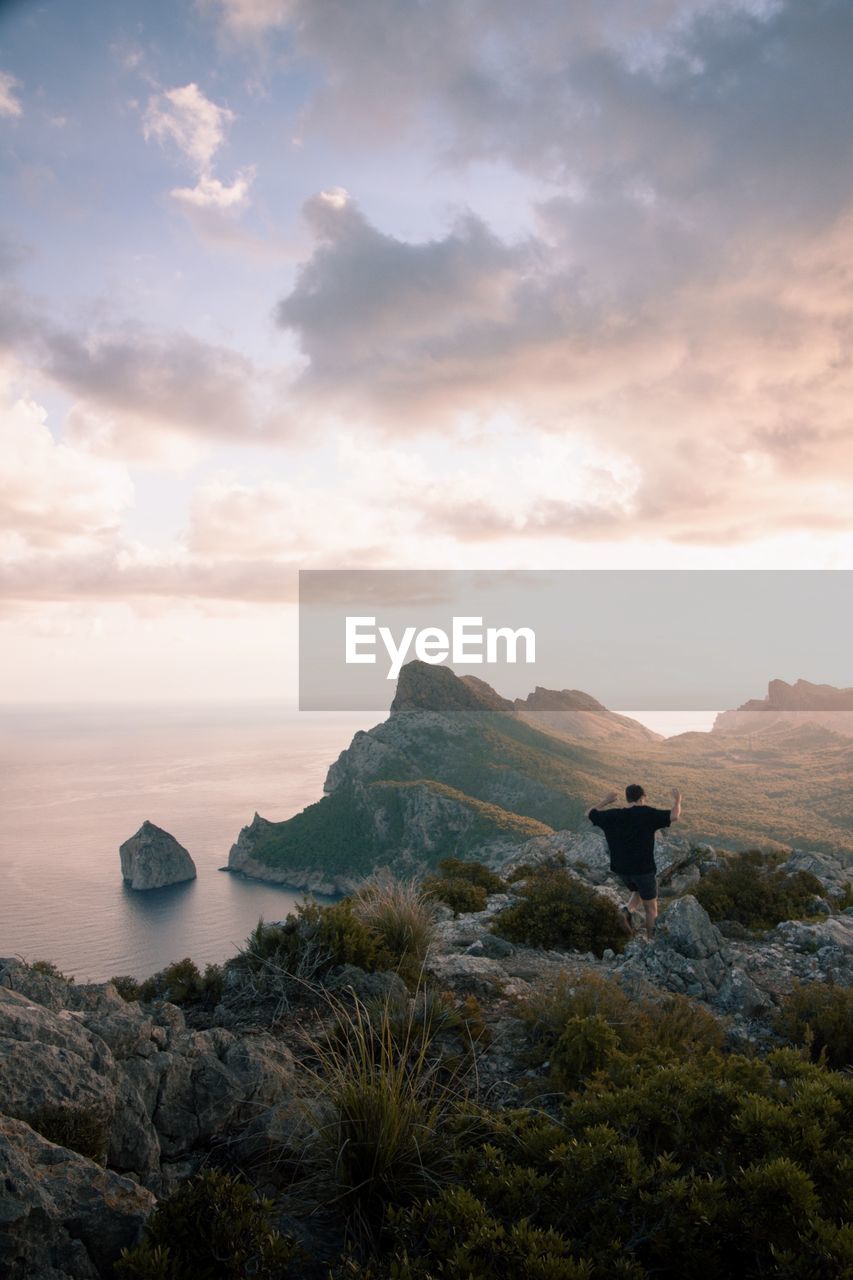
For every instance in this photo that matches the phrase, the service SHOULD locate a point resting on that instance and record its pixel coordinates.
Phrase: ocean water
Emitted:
(75, 784)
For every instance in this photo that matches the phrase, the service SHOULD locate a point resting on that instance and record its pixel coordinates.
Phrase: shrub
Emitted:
(401, 917)
(716, 1166)
(50, 970)
(127, 987)
(459, 894)
(213, 1228)
(81, 1129)
(385, 1103)
(592, 1024)
(752, 890)
(820, 1016)
(181, 983)
(312, 940)
(558, 911)
(474, 872)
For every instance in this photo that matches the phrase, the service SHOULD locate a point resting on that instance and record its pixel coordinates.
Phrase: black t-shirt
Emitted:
(630, 835)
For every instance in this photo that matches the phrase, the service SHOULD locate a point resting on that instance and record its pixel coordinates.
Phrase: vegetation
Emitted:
(82, 1129)
(558, 911)
(50, 970)
(401, 916)
(464, 886)
(819, 1015)
(723, 1165)
(212, 1228)
(591, 1025)
(387, 1099)
(180, 983)
(386, 927)
(753, 891)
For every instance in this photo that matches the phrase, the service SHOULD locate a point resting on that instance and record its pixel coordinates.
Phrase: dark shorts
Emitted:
(645, 885)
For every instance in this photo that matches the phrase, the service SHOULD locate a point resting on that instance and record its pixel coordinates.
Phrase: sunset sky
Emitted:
(408, 284)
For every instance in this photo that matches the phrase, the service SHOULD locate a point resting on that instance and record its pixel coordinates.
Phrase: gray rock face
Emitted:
(152, 858)
(161, 1088)
(63, 1217)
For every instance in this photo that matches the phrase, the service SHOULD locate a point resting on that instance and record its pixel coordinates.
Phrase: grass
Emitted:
(385, 1098)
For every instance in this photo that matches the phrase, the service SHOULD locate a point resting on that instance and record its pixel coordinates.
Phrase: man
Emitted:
(630, 835)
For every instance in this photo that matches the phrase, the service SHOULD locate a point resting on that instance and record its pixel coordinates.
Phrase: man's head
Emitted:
(635, 793)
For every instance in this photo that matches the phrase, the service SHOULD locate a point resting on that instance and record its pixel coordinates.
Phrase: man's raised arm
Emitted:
(608, 799)
(675, 812)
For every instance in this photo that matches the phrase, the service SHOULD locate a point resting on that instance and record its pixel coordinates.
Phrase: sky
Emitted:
(405, 284)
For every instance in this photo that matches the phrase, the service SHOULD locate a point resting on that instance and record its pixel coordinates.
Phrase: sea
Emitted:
(75, 783)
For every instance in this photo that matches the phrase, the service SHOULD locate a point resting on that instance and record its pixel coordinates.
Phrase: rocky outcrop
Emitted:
(573, 714)
(243, 860)
(161, 1088)
(63, 1217)
(791, 708)
(152, 859)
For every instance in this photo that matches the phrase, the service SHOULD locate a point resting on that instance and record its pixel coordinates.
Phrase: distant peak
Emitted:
(423, 686)
(803, 695)
(559, 700)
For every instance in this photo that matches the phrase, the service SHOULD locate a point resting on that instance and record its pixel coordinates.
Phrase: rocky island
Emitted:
(152, 859)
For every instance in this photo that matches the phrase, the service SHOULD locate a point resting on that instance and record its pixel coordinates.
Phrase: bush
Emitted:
(127, 987)
(819, 1015)
(713, 1166)
(558, 911)
(474, 872)
(752, 890)
(81, 1129)
(50, 970)
(312, 940)
(401, 917)
(459, 894)
(179, 983)
(380, 1123)
(591, 1025)
(213, 1228)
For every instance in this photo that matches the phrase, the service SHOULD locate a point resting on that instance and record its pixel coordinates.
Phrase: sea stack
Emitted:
(152, 858)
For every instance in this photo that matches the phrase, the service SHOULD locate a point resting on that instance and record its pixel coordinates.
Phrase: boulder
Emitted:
(686, 927)
(152, 858)
(63, 1217)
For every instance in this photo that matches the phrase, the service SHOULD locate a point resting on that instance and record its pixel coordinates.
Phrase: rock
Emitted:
(152, 859)
(686, 927)
(212, 1081)
(63, 1217)
(468, 974)
(739, 995)
(833, 874)
(41, 988)
(492, 946)
(366, 986)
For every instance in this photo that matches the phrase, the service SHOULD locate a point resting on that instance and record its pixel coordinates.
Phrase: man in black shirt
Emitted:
(630, 835)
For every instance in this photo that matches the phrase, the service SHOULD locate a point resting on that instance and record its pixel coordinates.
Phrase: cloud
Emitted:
(10, 105)
(53, 496)
(191, 121)
(210, 193)
(251, 18)
(371, 310)
(188, 119)
(148, 394)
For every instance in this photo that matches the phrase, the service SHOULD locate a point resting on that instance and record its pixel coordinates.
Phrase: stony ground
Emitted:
(171, 1093)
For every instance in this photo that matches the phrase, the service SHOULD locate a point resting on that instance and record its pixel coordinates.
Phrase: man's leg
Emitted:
(650, 906)
(634, 901)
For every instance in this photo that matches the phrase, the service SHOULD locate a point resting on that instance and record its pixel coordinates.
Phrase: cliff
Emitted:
(790, 707)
